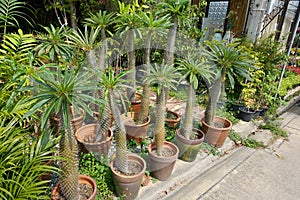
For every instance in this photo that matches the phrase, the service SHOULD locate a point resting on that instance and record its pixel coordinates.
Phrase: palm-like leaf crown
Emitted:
(230, 60)
(54, 43)
(102, 19)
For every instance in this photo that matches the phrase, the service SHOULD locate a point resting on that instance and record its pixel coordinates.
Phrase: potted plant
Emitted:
(141, 118)
(188, 138)
(56, 93)
(228, 61)
(161, 154)
(128, 169)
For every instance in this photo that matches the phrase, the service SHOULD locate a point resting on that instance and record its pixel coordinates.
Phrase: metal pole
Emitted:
(289, 47)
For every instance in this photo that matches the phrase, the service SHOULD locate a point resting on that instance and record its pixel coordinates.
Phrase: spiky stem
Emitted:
(121, 161)
(160, 122)
(68, 150)
(187, 125)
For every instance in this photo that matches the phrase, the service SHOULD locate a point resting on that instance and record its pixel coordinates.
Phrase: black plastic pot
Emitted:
(246, 114)
(235, 106)
(263, 112)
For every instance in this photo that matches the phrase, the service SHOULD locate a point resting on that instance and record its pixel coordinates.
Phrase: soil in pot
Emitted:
(87, 189)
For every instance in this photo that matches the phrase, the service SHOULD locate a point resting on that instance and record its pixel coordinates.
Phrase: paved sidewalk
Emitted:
(243, 173)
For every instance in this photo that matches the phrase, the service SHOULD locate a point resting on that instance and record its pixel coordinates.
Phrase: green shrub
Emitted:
(100, 171)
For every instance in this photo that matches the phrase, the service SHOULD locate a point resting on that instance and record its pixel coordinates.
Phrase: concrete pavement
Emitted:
(242, 173)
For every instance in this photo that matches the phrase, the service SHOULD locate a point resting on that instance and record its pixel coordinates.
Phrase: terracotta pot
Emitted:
(162, 167)
(136, 132)
(98, 148)
(188, 149)
(83, 179)
(129, 186)
(76, 122)
(136, 105)
(214, 135)
(173, 122)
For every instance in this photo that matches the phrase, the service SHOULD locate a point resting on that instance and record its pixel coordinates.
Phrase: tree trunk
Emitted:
(73, 14)
(169, 54)
(131, 66)
(144, 112)
(214, 93)
(69, 166)
(187, 125)
(160, 122)
(121, 151)
(103, 46)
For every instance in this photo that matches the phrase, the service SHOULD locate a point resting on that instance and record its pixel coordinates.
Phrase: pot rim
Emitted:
(191, 142)
(142, 161)
(220, 118)
(108, 138)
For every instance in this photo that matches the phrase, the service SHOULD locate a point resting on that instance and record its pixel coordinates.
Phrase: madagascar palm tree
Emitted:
(87, 41)
(228, 61)
(177, 9)
(127, 23)
(56, 93)
(153, 24)
(112, 84)
(194, 69)
(101, 20)
(164, 76)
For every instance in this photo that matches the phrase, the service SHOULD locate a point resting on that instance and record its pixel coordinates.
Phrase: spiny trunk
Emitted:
(187, 125)
(121, 161)
(101, 63)
(160, 122)
(131, 66)
(68, 150)
(144, 112)
(214, 93)
(103, 119)
(169, 54)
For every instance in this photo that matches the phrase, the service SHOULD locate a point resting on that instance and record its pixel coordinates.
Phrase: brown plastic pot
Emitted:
(136, 132)
(129, 186)
(188, 149)
(83, 179)
(173, 122)
(214, 135)
(98, 148)
(161, 167)
(136, 105)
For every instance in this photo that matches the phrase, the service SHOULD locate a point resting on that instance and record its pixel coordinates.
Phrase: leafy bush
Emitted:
(23, 162)
(288, 83)
(100, 171)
